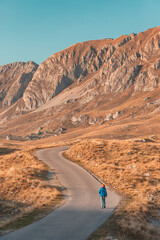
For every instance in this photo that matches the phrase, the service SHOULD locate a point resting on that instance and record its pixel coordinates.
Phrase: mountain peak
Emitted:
(83, 82)
(116, 63)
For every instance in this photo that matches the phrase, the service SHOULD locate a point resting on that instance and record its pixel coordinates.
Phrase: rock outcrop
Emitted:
(14, 78)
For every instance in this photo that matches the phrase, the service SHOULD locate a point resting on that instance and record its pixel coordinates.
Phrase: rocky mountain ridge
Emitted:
(108, 66)
(75, 64)
(14, 78)
(96, 83)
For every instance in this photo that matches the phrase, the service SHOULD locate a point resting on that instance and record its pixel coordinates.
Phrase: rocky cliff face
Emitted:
(111, 65)
(134, 64)
(75, 64)
(14, 78)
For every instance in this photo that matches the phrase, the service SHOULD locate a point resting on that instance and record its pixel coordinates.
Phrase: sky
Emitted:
(32, 30)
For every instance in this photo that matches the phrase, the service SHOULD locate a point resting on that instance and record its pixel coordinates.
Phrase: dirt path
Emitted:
(80, 215)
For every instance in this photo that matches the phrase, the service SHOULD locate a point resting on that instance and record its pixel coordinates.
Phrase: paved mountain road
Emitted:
(80, 215)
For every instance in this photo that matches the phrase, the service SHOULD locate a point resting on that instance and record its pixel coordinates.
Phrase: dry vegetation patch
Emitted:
(23, 184)
(132, 169)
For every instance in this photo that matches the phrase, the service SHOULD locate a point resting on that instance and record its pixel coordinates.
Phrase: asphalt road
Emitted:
(80, 215)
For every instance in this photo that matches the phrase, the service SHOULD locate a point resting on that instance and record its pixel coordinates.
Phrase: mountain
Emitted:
(14, 78)
(109, 82)
(114, 65)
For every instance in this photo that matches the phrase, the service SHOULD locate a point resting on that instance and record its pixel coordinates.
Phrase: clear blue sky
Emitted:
(35, 29)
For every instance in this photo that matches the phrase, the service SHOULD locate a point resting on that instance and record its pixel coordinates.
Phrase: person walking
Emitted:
(103, 195)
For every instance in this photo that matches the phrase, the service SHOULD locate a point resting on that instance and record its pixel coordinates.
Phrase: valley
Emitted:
(102, 98)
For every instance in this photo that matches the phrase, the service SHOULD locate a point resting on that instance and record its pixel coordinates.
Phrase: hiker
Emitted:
(103, 195)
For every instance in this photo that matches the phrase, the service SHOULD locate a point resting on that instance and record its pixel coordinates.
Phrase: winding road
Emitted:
(80, 215)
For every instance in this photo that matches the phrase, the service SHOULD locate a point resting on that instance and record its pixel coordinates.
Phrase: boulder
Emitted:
(101, 123)
(76, 119)
(147, 98)
(9, 137)
(38, 132)
(92, 120)
(108, 117)
(117, 114)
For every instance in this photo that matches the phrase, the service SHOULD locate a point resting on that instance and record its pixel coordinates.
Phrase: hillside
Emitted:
(14, 78)
(110, 82)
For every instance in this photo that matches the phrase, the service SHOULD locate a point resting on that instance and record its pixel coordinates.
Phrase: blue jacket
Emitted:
(103, 192)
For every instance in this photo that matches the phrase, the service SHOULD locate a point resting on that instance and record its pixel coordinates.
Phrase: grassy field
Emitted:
(25, 193)
(132, 169)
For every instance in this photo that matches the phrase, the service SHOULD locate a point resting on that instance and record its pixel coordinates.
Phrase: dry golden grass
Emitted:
(132, 169)
(23, 183)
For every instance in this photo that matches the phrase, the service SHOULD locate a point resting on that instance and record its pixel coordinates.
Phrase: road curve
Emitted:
(80, 215)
